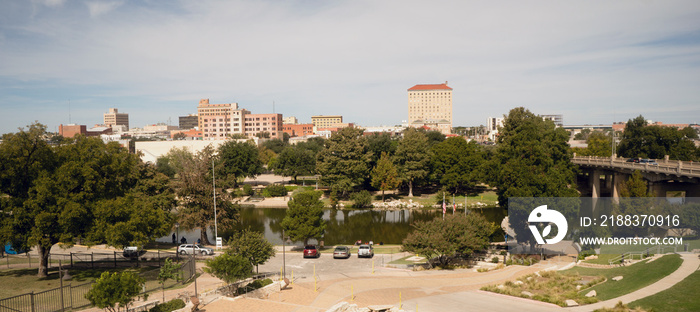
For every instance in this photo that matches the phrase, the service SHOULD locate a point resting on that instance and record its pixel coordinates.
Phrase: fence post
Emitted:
(159, 258)
(32, 300)
(70, 287)
(115, 259)
(137, 260)
(92, 259)
(29, 259)
(71, 259)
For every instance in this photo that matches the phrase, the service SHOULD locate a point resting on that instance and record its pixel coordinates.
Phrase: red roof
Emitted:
(423, 87)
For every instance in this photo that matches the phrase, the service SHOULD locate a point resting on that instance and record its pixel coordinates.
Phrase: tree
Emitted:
(263, 135)
(599, 144)
(229, 268)
(179, 136)
(294, 161)
(276, 145)
(267, 156)
(80, 190)
(304, 219)
(238, 160)
(444, 238)
(412, 157)
(169, 270)
(343, 162)
(532, 160)
(456, 163)
(252, 246)
(195, 191)
(635, 186)
(379, 143)
(115, 291)
(384, 175)
(641, 140)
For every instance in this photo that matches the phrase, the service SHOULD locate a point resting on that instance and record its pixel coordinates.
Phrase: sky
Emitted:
(595, 62)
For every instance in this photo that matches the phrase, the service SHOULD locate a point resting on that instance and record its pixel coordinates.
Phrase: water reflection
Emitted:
(348, 226)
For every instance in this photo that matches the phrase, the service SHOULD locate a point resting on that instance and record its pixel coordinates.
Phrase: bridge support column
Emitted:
(615, 194)
(595, 183)
(609, 181)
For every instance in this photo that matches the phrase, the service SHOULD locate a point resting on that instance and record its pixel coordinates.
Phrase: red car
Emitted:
(310, 251)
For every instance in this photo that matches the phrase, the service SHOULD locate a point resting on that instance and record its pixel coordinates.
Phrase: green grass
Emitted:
(620, 249)
(404, 261)
(679, 298)
(635, 276)
(549, 286)
(603, 259)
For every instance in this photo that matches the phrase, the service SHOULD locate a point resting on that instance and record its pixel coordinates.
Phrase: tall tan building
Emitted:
(430, 105)
(326, 121)
(218, 121)
(115, 118)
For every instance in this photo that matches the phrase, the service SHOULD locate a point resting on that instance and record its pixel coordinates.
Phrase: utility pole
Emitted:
(213, 182)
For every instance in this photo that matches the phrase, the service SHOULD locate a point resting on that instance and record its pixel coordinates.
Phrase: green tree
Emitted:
(115, 291)
(532, 160)
(229, 268)
(445, 238)
(304, 219)
(641, 140)
(384, 175)
(456, 163)
(195, 191)
(79, 190)
(251, 245)
(635, 186)
(275, 145)
(169, 270)
(342, 164)
(238, 160)
(294, 161)
(267, 156)
(412, 157)
(379, 143)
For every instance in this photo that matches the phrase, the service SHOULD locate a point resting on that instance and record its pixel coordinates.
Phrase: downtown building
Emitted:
(220, 121)
(430, 106)
(115, 118)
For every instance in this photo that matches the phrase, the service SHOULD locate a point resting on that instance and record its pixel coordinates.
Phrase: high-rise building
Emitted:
(430, 105)
(291, 120)
(492, 125)
(217, 121)
(326, 121)
(115, 118)
(190, 121)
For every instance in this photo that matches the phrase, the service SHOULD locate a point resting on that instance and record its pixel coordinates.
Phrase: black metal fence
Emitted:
(90, 260)
(71, 297)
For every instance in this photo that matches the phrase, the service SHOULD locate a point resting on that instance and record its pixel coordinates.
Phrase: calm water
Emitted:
(348, 226)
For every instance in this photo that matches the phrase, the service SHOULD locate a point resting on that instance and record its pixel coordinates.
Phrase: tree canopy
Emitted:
(252, 246)
(343, 163)
(642, 140)
(412, 158)
(115, 291)
(456, 163)
(384, 175)
(82, 190)
(238, 160)
(304, 219)
(295, 161)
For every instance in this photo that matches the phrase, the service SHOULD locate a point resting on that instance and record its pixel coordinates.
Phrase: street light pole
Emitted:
(177, 229)
(284, 255)
(213, 181)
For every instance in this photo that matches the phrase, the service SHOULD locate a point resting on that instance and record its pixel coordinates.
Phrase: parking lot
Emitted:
(326, 266)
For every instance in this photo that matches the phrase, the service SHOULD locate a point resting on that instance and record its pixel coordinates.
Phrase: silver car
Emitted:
(196, 249)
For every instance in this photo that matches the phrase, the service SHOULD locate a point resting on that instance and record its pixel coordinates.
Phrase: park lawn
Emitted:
(620, 249)
(404, 261)
(636, 276)
(681, 297)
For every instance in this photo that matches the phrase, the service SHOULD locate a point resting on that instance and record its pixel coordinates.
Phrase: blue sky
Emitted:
(592, 61)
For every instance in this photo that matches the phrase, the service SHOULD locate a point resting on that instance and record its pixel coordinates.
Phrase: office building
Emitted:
(218, 121)
(430, 105)
(557, 119)
(190, 121)
(115, 118)
(326, 121)
(259, 123)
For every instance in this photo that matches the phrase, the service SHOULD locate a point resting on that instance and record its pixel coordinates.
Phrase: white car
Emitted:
(365, 251)
(196, 249)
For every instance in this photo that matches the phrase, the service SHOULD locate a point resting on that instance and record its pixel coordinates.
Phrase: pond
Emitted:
(344, 226)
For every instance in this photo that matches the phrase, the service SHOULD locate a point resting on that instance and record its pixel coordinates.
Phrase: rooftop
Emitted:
(424, 87)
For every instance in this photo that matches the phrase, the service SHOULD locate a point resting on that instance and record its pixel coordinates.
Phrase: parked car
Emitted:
(649, 161)
(194, 249)
(310, 251)
(365, 251)
(131, 252)
(341, 252)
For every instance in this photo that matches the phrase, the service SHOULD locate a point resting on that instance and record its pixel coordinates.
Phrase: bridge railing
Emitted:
(677, 167)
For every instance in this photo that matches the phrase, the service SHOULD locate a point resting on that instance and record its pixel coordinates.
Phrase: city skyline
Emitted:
(594, 63)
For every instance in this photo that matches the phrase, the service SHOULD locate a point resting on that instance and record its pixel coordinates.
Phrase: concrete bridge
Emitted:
(604, 174)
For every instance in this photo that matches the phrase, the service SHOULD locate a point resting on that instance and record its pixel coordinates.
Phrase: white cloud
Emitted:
(98, 8)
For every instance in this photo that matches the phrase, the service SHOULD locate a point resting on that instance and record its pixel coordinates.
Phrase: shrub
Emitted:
(247, 189)
(171, 305)
(494, 259)
(361, 199)
(275, 190)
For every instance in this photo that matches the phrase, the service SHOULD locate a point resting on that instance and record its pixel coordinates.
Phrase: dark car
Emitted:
(341, 252)
(310, 251)
(634, 160)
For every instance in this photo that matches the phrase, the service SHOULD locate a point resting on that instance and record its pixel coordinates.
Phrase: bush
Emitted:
(171, 305)
(247, 189)
(494, 259)
(275, 190)
(361, 199)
